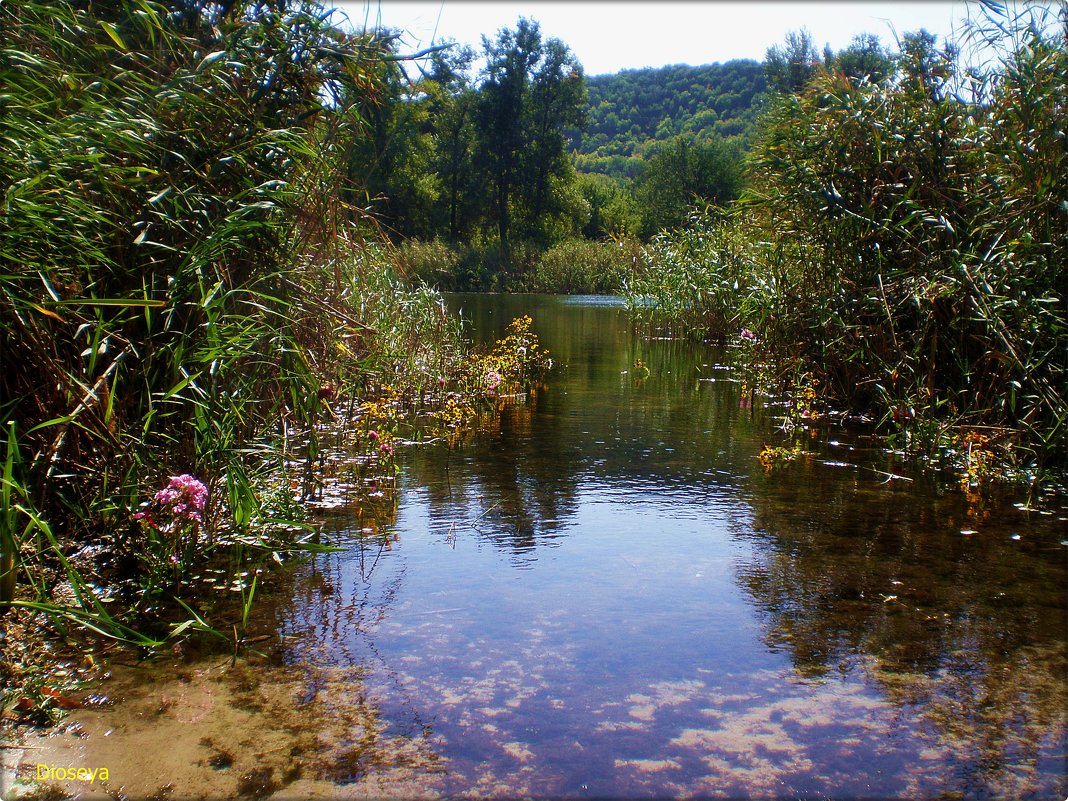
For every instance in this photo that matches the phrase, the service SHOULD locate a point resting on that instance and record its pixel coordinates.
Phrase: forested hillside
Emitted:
(634, 109)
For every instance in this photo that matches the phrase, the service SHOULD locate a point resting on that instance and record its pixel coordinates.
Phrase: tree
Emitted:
(865, 58)
(612, 211)
(682, 173)
(925, 69)
(790, 66)
(451, 99)
(557, 100)
(634, 106)
(529, 93)
(509, 61)
(389, 159)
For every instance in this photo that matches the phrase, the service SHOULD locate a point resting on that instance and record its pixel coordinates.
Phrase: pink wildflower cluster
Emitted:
(493, 379)
(385, 447)
(182, 500)
(747, 335)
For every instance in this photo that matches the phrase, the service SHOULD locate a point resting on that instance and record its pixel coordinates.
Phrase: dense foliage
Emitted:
(479, 161)
(486, 165)
(188, 291)
(903, 244)
(168, 177)
(682, 174)
(632, 111)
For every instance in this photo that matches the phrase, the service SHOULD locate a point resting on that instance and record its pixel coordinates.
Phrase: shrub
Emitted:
(181, 281)
(431, 263)
(901, 246)
(581, 267)
(702, 281)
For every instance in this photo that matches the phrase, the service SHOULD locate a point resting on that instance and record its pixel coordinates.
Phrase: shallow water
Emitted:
(603, 594)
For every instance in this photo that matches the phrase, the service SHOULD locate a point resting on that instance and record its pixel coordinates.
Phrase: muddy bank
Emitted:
(213, 728)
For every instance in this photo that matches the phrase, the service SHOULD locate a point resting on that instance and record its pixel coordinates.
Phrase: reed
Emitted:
(181, 277)
(577, 266)
(903, 242)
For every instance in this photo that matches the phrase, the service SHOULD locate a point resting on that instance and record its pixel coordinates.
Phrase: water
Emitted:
(605, 595)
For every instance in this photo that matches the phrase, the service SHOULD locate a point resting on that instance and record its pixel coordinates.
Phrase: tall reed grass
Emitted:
(180, 279)
(904, 241)
(578, 266)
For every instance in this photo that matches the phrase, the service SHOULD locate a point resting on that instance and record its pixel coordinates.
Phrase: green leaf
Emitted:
(111, 31)
(126, 302)
(210, 59)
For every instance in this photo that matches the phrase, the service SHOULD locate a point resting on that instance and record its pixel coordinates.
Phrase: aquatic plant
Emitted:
(934, 276)
(701, 281)
(774, 457)
(432, 263)
(514, 359)
(979, 459)
(902, 243)
(172, 522)
(10, 536)
(510, 368)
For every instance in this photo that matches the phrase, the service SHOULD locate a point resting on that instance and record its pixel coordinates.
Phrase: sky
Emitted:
(609, 36)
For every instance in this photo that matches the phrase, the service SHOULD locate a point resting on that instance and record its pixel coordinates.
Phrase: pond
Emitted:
(604, 594)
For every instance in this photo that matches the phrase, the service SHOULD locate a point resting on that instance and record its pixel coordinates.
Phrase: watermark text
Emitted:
(83, 774)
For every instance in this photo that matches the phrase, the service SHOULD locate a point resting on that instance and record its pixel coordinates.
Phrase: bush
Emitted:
(902, 247)
(181, 281)
(937, 235)
(578, 266)
(702, 281)
(431, 263)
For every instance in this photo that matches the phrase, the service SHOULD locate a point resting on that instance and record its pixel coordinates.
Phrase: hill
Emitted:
(632, 110)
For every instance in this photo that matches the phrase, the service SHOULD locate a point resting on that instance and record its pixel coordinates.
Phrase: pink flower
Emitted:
(493, 379)
(191, 489)
(747, 335)
(146, 516)
(183, 498)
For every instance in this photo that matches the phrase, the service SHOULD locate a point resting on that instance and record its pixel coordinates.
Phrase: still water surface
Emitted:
(603, 594)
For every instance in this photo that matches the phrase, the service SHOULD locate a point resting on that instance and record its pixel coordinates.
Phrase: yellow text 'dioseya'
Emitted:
(82, 774)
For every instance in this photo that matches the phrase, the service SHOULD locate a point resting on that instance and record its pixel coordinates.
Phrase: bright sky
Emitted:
(610, 36)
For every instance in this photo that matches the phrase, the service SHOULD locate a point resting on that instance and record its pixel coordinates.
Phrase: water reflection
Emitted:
(603, 595)
(606, 596)
(947, 609)
(501, 490)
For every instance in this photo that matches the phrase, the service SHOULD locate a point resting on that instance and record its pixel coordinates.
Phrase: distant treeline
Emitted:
(501, 164)
(634, 110)
(485, 160)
